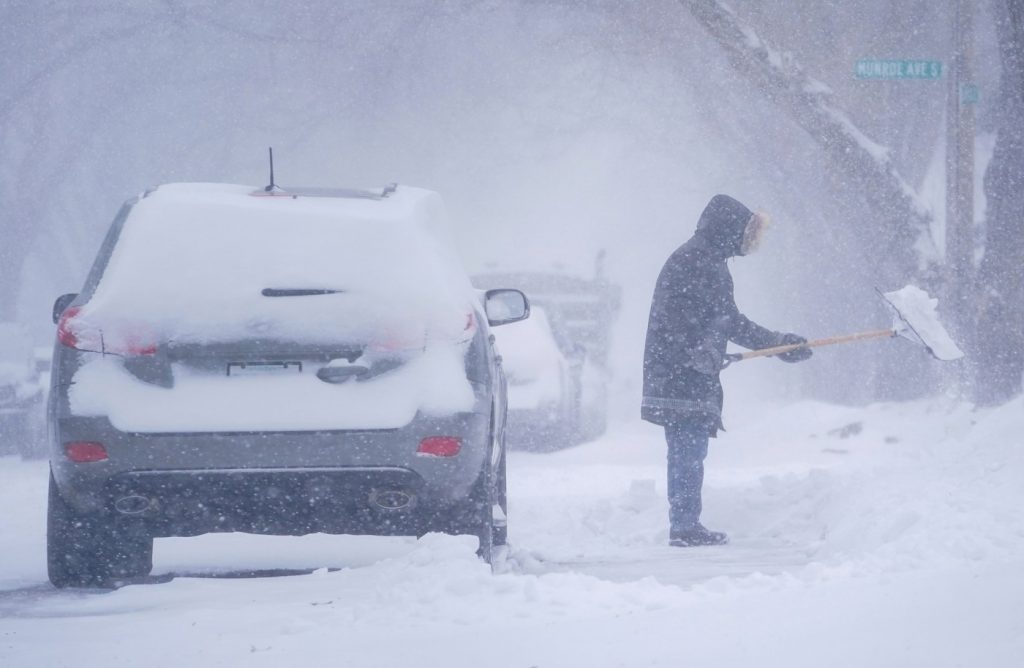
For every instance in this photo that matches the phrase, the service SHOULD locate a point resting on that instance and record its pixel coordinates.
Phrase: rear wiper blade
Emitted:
(298, 292)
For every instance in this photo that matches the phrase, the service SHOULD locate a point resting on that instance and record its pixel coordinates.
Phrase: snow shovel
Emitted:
(914, 318)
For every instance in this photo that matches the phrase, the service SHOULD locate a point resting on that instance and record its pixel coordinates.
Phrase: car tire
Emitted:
(90, 549)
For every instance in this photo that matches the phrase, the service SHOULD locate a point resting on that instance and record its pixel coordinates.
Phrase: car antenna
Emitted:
(272, 187)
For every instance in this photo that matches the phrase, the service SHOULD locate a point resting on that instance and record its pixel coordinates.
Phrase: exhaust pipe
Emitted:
(392, 499)
(133, 504)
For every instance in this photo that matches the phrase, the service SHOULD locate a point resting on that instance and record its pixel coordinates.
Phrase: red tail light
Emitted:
(84, 452)
(440, 446)
(75, 334)
(135, 346)
(469, 328)
(398, 342)
(66, 333)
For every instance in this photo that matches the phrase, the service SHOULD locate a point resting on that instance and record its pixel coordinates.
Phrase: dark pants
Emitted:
(687, 448)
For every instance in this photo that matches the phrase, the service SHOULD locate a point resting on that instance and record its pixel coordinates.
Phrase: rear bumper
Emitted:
(380, 501)
(288, 483)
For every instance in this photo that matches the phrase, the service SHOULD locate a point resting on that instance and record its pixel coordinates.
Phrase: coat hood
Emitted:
(723, 223)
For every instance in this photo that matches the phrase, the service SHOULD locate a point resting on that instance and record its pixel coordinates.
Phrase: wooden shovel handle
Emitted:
(778, 350)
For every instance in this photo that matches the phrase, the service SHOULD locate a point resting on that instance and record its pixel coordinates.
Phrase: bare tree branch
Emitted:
(900, 220)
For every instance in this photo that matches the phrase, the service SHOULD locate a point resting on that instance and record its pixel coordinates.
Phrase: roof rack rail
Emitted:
(274, 190)
(344, 193)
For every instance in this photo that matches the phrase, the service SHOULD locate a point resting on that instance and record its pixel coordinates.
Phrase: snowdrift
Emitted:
(885, 536)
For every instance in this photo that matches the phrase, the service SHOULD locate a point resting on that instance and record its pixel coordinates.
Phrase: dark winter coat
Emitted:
(694, 313)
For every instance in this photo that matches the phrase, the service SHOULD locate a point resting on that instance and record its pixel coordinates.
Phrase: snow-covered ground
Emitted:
(886, 536)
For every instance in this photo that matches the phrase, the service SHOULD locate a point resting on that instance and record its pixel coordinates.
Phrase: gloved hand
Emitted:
(706, 359)
(798, 355)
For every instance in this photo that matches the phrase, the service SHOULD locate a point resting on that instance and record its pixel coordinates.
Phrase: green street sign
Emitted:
(969, 93)
(898, 69)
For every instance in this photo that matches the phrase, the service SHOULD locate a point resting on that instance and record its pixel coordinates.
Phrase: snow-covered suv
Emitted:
(279, 362)
(545, 372)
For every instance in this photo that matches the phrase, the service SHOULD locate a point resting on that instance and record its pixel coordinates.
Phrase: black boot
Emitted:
(697, 535)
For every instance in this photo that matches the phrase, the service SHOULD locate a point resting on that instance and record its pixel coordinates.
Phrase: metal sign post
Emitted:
(961, 96)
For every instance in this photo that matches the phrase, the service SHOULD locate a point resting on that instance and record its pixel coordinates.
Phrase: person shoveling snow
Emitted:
(693, 317)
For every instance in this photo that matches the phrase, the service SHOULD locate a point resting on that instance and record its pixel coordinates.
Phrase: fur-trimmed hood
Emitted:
(724, 223)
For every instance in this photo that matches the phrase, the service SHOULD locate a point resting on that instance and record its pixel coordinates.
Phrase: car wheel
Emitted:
(90, 550)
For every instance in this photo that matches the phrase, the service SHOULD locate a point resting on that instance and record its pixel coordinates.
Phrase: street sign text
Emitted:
(898, 69)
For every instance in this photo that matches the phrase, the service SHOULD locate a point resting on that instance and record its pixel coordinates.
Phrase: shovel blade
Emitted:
(915, 318)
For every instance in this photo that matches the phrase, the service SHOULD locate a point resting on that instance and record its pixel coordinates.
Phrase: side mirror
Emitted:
(61, 305)
(505, 305)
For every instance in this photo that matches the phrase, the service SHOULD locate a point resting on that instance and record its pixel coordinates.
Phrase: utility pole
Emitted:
(961, 98)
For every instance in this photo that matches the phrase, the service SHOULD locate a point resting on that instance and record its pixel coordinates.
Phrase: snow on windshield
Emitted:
(196, 263)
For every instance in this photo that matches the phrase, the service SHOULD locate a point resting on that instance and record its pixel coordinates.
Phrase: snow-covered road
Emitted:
(886, 536)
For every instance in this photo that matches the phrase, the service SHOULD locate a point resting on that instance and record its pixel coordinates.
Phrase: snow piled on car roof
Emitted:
(193, 261)
(206, 264)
